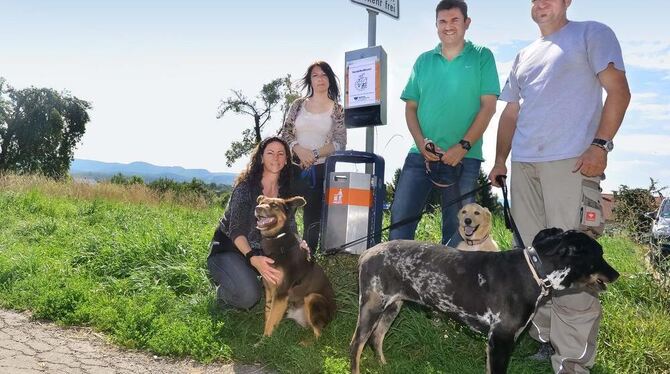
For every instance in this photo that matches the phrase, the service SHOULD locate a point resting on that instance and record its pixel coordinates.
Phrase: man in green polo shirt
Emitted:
(449, 100)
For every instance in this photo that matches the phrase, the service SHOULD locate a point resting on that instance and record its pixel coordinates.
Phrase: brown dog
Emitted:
(474, 225)
(303, 290)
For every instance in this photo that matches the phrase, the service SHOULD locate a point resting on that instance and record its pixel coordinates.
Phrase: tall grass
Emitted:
(135, 270)
(132, 194)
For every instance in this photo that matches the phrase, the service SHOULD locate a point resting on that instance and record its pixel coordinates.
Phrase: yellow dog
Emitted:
(474, 225)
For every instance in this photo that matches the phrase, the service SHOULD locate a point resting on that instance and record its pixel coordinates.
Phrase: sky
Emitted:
(155, 71)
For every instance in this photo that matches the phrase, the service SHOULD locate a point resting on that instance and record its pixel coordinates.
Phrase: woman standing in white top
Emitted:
(314, 129)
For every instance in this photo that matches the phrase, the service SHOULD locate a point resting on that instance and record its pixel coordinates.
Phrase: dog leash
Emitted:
(530, 253)
(335, 250)
(509, 221)
(430, 147)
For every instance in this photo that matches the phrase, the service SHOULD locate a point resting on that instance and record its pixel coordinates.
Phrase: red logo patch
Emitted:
(590, 216)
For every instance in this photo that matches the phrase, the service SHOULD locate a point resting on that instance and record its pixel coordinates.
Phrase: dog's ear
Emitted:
(259, 199)
(295, 202)
(546, 235)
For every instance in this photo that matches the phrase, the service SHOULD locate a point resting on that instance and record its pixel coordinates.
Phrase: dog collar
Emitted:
(535, 266)
(282, 250)
(476, 242)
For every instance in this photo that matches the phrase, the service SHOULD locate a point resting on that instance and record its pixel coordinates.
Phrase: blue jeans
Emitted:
(239, 286)
(415, 185)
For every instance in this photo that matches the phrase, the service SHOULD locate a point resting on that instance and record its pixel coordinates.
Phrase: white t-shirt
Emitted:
(311, 129)
(555, 81)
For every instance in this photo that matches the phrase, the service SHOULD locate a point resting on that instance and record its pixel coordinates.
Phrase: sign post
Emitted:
(391, 8)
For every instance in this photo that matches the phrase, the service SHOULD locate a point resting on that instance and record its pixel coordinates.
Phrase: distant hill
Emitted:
(99, 170)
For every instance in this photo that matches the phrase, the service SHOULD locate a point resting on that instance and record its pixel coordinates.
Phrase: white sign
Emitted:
(362, 82)
(389, 7)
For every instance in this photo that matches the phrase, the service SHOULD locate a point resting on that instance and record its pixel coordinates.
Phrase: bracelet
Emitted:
(315, 152)
(251, 254)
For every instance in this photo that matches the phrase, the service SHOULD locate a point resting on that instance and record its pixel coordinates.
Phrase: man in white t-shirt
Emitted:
(560, 133)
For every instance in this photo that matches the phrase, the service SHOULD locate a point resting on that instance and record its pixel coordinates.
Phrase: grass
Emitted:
(135, 270)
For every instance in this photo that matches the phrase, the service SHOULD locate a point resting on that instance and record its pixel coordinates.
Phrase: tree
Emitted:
(39, 130)
(391, 186)
(278, 92)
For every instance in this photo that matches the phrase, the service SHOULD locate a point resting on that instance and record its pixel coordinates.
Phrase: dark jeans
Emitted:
(311, 188)
(414, 186)
(238, 282)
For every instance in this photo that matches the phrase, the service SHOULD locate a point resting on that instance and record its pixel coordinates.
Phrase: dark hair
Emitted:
(333, 89)
(450, 4)
(254, 171)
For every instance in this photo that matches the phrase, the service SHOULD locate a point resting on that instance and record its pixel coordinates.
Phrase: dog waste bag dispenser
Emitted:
(353, 203)
(365, 87)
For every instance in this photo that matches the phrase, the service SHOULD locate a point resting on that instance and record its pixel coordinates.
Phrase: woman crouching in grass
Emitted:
(235, 258)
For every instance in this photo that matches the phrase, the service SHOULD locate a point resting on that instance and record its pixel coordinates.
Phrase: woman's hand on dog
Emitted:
(305, 247)
(264, 266)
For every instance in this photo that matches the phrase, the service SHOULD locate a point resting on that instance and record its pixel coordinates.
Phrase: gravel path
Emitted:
(31, 347)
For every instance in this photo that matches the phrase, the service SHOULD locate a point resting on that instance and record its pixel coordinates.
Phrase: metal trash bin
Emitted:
(353, 203)
(349, 199)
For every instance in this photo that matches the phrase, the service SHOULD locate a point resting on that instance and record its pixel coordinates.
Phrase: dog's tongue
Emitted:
(469, 230)
(265, 221)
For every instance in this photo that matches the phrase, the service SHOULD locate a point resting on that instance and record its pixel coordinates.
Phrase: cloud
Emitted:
(651, 106)
(647, 144)
(503, 70)
(647, 54)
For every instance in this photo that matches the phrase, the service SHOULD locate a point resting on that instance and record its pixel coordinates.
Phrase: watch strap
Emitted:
(607, 145)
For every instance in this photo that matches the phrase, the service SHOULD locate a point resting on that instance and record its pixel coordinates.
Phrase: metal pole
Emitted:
(370, 130)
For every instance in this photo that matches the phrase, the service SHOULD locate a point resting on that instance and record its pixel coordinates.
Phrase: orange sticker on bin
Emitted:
(349, 196)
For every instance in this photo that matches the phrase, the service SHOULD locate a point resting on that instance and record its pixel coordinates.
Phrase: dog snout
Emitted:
(258, 210)
(612, 274)
(468, 221)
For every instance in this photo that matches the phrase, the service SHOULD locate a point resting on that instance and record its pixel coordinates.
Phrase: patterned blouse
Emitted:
(337, 134)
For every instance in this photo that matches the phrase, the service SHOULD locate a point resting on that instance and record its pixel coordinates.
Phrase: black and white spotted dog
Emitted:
(495, 293)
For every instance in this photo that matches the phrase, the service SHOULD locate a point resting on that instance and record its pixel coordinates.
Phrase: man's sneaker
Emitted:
(544, 353)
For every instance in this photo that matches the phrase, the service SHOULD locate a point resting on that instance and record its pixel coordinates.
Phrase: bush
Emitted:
(126, 181)
(631, 207)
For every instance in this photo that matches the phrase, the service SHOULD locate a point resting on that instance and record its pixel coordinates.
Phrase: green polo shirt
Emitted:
(448, 93)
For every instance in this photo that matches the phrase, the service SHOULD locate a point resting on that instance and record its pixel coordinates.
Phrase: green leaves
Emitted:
(39, 129)
(278, 91)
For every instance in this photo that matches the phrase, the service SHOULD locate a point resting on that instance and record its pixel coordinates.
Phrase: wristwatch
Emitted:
(607, 145)
(465, 144)
(315, 152)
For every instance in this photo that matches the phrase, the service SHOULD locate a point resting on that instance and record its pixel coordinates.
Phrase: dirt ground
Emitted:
(28, 346)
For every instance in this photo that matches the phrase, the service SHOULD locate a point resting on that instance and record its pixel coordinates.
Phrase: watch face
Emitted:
(607, 145)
